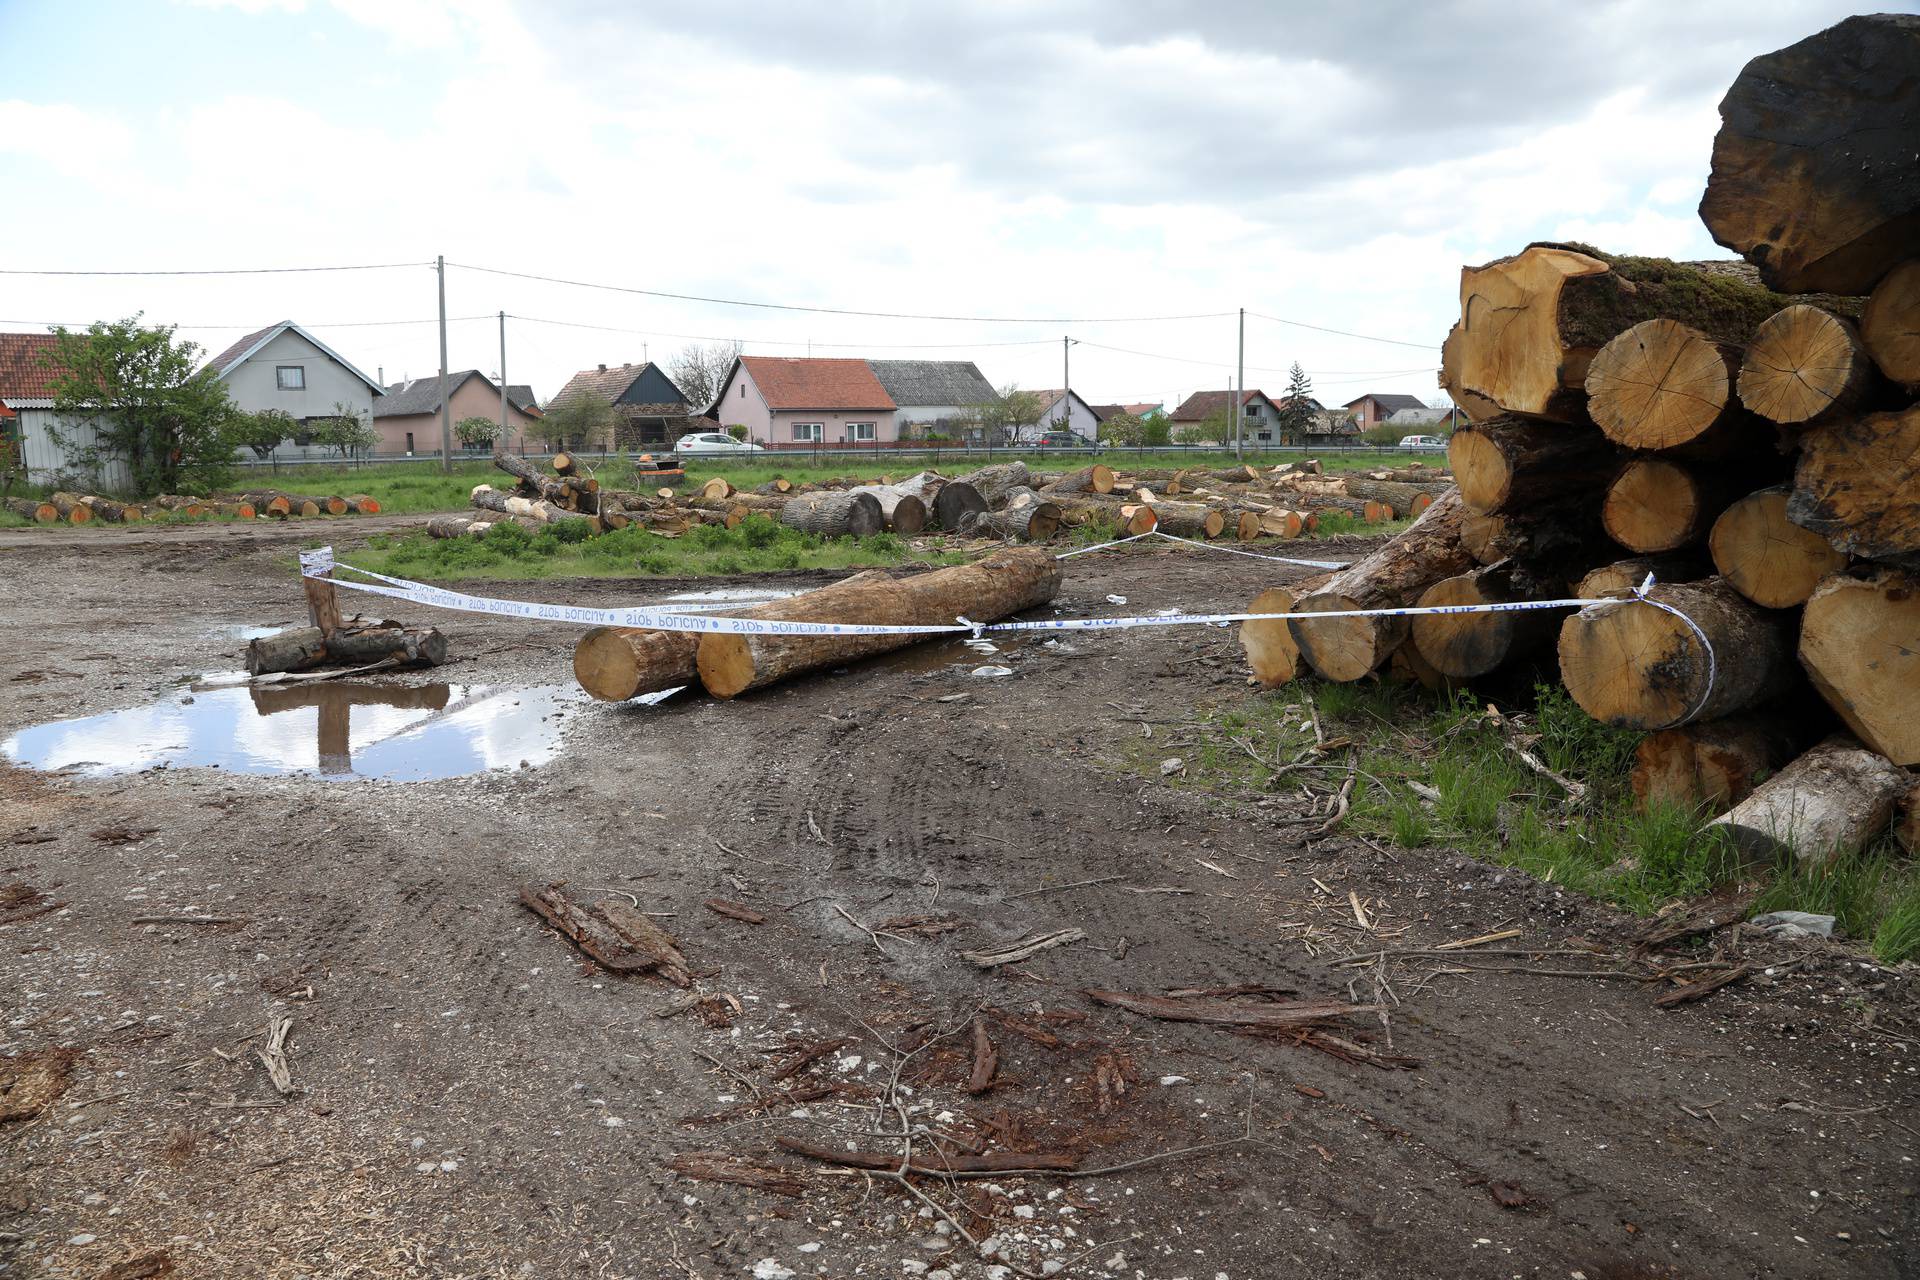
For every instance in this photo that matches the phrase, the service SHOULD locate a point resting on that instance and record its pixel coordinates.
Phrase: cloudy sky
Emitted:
(1067, 165)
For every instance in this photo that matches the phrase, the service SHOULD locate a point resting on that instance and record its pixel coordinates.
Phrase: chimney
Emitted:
(380, 375)
(603, 368)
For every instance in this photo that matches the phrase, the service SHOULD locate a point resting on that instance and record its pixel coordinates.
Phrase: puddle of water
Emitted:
(336, 728)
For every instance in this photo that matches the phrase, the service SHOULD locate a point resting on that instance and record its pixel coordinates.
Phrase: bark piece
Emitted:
(1813, 178)
(1804, 365)
(1831, 801)
(1769, 559)
(1014, 952)
(611, 932)
(715, 1166)
(1710, 766)
(834, 514)
(1464, 645)
(925, 1161)
(1890, 325)
(986, 1058)
(1261, 1014)
(1661, 384)
(734, 911)
(1634, 665)
(1860, 644)
(1509, 464)
(1858, 485)
(29, 1082)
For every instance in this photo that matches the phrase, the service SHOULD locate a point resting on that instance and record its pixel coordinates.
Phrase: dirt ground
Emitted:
(471, 1099)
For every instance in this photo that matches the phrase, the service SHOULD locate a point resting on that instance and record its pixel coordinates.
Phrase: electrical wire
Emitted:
(782, 342)
(1252, 368)
(222, 271)
(1364, 337)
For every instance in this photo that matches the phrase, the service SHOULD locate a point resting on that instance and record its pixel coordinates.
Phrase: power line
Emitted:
(1364, 337)
(222, 271)
(836, 311)
(779, 342)
(1255, 368)
(317, 324)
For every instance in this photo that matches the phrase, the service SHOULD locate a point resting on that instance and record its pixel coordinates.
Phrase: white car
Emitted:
(713, 442)
(1423, 444)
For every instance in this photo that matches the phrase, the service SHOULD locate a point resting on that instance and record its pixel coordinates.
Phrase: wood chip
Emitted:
(734, 911)
(993, 957)
(714, 1166)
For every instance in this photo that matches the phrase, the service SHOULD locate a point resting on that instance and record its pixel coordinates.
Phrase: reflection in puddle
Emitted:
(336, 728)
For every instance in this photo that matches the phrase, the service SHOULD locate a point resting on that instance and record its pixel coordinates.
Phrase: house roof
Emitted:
(934, 382)
(1142, 409)
(1105, 411)
(24, 375)
(1423, 414)
(241, 351)
(605, 383)
(796, 382)
(1388, 400)
(1203, 403)
(417, 396)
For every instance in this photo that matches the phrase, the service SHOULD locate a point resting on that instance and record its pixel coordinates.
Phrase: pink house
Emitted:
(408, 415)
(790, 402)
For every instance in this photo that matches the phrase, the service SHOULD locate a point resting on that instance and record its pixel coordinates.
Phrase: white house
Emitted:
(284, 367)
(1063, 411)
(27, 422)
(931, 394)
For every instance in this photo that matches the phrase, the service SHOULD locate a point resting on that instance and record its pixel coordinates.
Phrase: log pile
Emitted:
(1746, 431)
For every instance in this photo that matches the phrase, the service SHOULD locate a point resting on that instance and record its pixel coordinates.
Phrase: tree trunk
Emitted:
(1509, 464)
(993, 482)
(900, 507)
(268, 502)
(1769, 559)
(1654, 505)
(1097, 478)
(1711, 766)
(1531, 324)
(832, 514)
(1833, 800)
(38, 512)
(1483, 536)
(488, 498)
(1272, 655)
(108, 510)
(1814, 178)
(1622, 576)
(1890, 325)
(1858, 486)
(1033, 522)
(1393, 576)
(457, 527)
(617, 663)
(1242, 522)
(361, 505)
(1804, 365)
(1401, 497)
(1465, 645)
(954, 502)
(71, 507)
(1188, 520)
(1004, 583)
(777, 485)
(303, 647)
(1476, 407)
(1661, 385)
(1633, 665)
(1860, 643)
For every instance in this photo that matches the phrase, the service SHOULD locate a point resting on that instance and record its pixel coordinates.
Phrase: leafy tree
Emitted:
(1008, 411)
(1215, 428)
(148, 407)
(700, 370)
(476, 432)
(1296, 413)
(581, 423)
(737, 430)
(262, 432)
(1156, 429)
(346, 431)
(1123, 429)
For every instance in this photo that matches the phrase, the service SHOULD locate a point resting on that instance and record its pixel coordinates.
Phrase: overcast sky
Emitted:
(1059, 163)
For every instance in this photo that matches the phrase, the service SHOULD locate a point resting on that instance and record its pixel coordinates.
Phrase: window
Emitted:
(743, 391)
(1265, 435)
(290, 377)
(807, 431)
(409, 444)
(859, 431)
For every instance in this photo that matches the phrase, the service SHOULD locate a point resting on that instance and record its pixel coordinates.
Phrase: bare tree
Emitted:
(699, 370)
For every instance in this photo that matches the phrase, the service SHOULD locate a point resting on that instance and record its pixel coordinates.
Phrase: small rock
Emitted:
(1171, 765)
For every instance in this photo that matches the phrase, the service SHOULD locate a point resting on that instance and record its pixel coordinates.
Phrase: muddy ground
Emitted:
(471, 1099)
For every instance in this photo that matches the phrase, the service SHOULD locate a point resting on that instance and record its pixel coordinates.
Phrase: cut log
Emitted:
(1476, 408)
(954, 501)
(1465, 645)
(1394, 575)
(1097, 478)
(1634, 665)
(1654, 504)
(1814, 177)
(777, 485)
(1034, 522)
(1622, 576)
(1833, 800)
(1272, 655)
(718, 487)
(1711, 766)
(268, 502)
(71, 507)
(1003, 583)
(901, 508)
(1243, 522)
(36, 511)
(1769, 559)
(1890, 325)
(1531, 324)
(1804, 365)
(1483, 536)
(109, 511)
(565, 493)
(1188, 520)
(488, 498)
(834, 514)
(564, 464)
(1860, 643)
(1509, 464)
(993, 482)
(457, 527)
(1394, 493)
(1858, 485)
(1661, 385)
(299, 648)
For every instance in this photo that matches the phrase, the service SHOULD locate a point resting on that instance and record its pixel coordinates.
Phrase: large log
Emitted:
(993, 482)
(1272, 655)
(268, 502)
(71, 507)
(615, 664)
(487, 498)
(1510, 464)
(301, 647)
(1392, 576)
(1622, 577)
(1194, 520)
(1711, 766)
(1769, 559)
(900, 507)
(1096, 478)
(1858, 485)
(1814, 176)
(1465, 645)
(1003, 583)
(1484, 536)
(1033, 522)
(1661, 384)
(1860, 643)
(1656, 504)
(1804, 365)
(1833, 800)
(568, 493)
(1634, 665)
(1399, 495)
(1890, 325)
(40, 512)
(834, 513)
(1531, 324)
(457, 527)
(1476, 407)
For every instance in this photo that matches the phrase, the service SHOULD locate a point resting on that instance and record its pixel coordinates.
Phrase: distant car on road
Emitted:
(1423, 444)
(713, 443)
(1061, 440)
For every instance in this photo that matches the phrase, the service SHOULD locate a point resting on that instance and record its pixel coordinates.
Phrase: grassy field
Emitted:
(1438, 770)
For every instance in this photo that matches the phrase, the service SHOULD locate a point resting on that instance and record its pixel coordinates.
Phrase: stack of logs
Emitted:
(1745, 432)
(1005, 501)
(77, 508)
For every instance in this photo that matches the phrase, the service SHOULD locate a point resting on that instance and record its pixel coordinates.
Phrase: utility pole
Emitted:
(1239, 409)
(446, 410)
(500, 445)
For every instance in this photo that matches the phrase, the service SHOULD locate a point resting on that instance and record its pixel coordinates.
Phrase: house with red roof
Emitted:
(50, 451)
(794, 402)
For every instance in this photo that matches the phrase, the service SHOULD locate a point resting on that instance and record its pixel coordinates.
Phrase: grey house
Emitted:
(931, 393)
(284, 367)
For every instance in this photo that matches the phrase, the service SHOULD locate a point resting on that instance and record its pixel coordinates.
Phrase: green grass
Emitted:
(1495, 808)
(756, 545)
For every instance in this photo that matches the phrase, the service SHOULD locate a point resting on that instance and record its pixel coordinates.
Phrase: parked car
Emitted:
(712, 443)
(1061, 440)
(1423, 444)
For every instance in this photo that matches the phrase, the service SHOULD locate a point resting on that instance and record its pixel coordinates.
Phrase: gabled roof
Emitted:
(1105, 411)
(1201, 404)
(240, 352)
(24, 375)
(796, 382)
(607, 383)
(1388, 400)
(934, 382)
(1423, 414)
(422, 395)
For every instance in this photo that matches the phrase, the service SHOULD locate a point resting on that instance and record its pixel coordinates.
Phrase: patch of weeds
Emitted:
(1874, 894)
